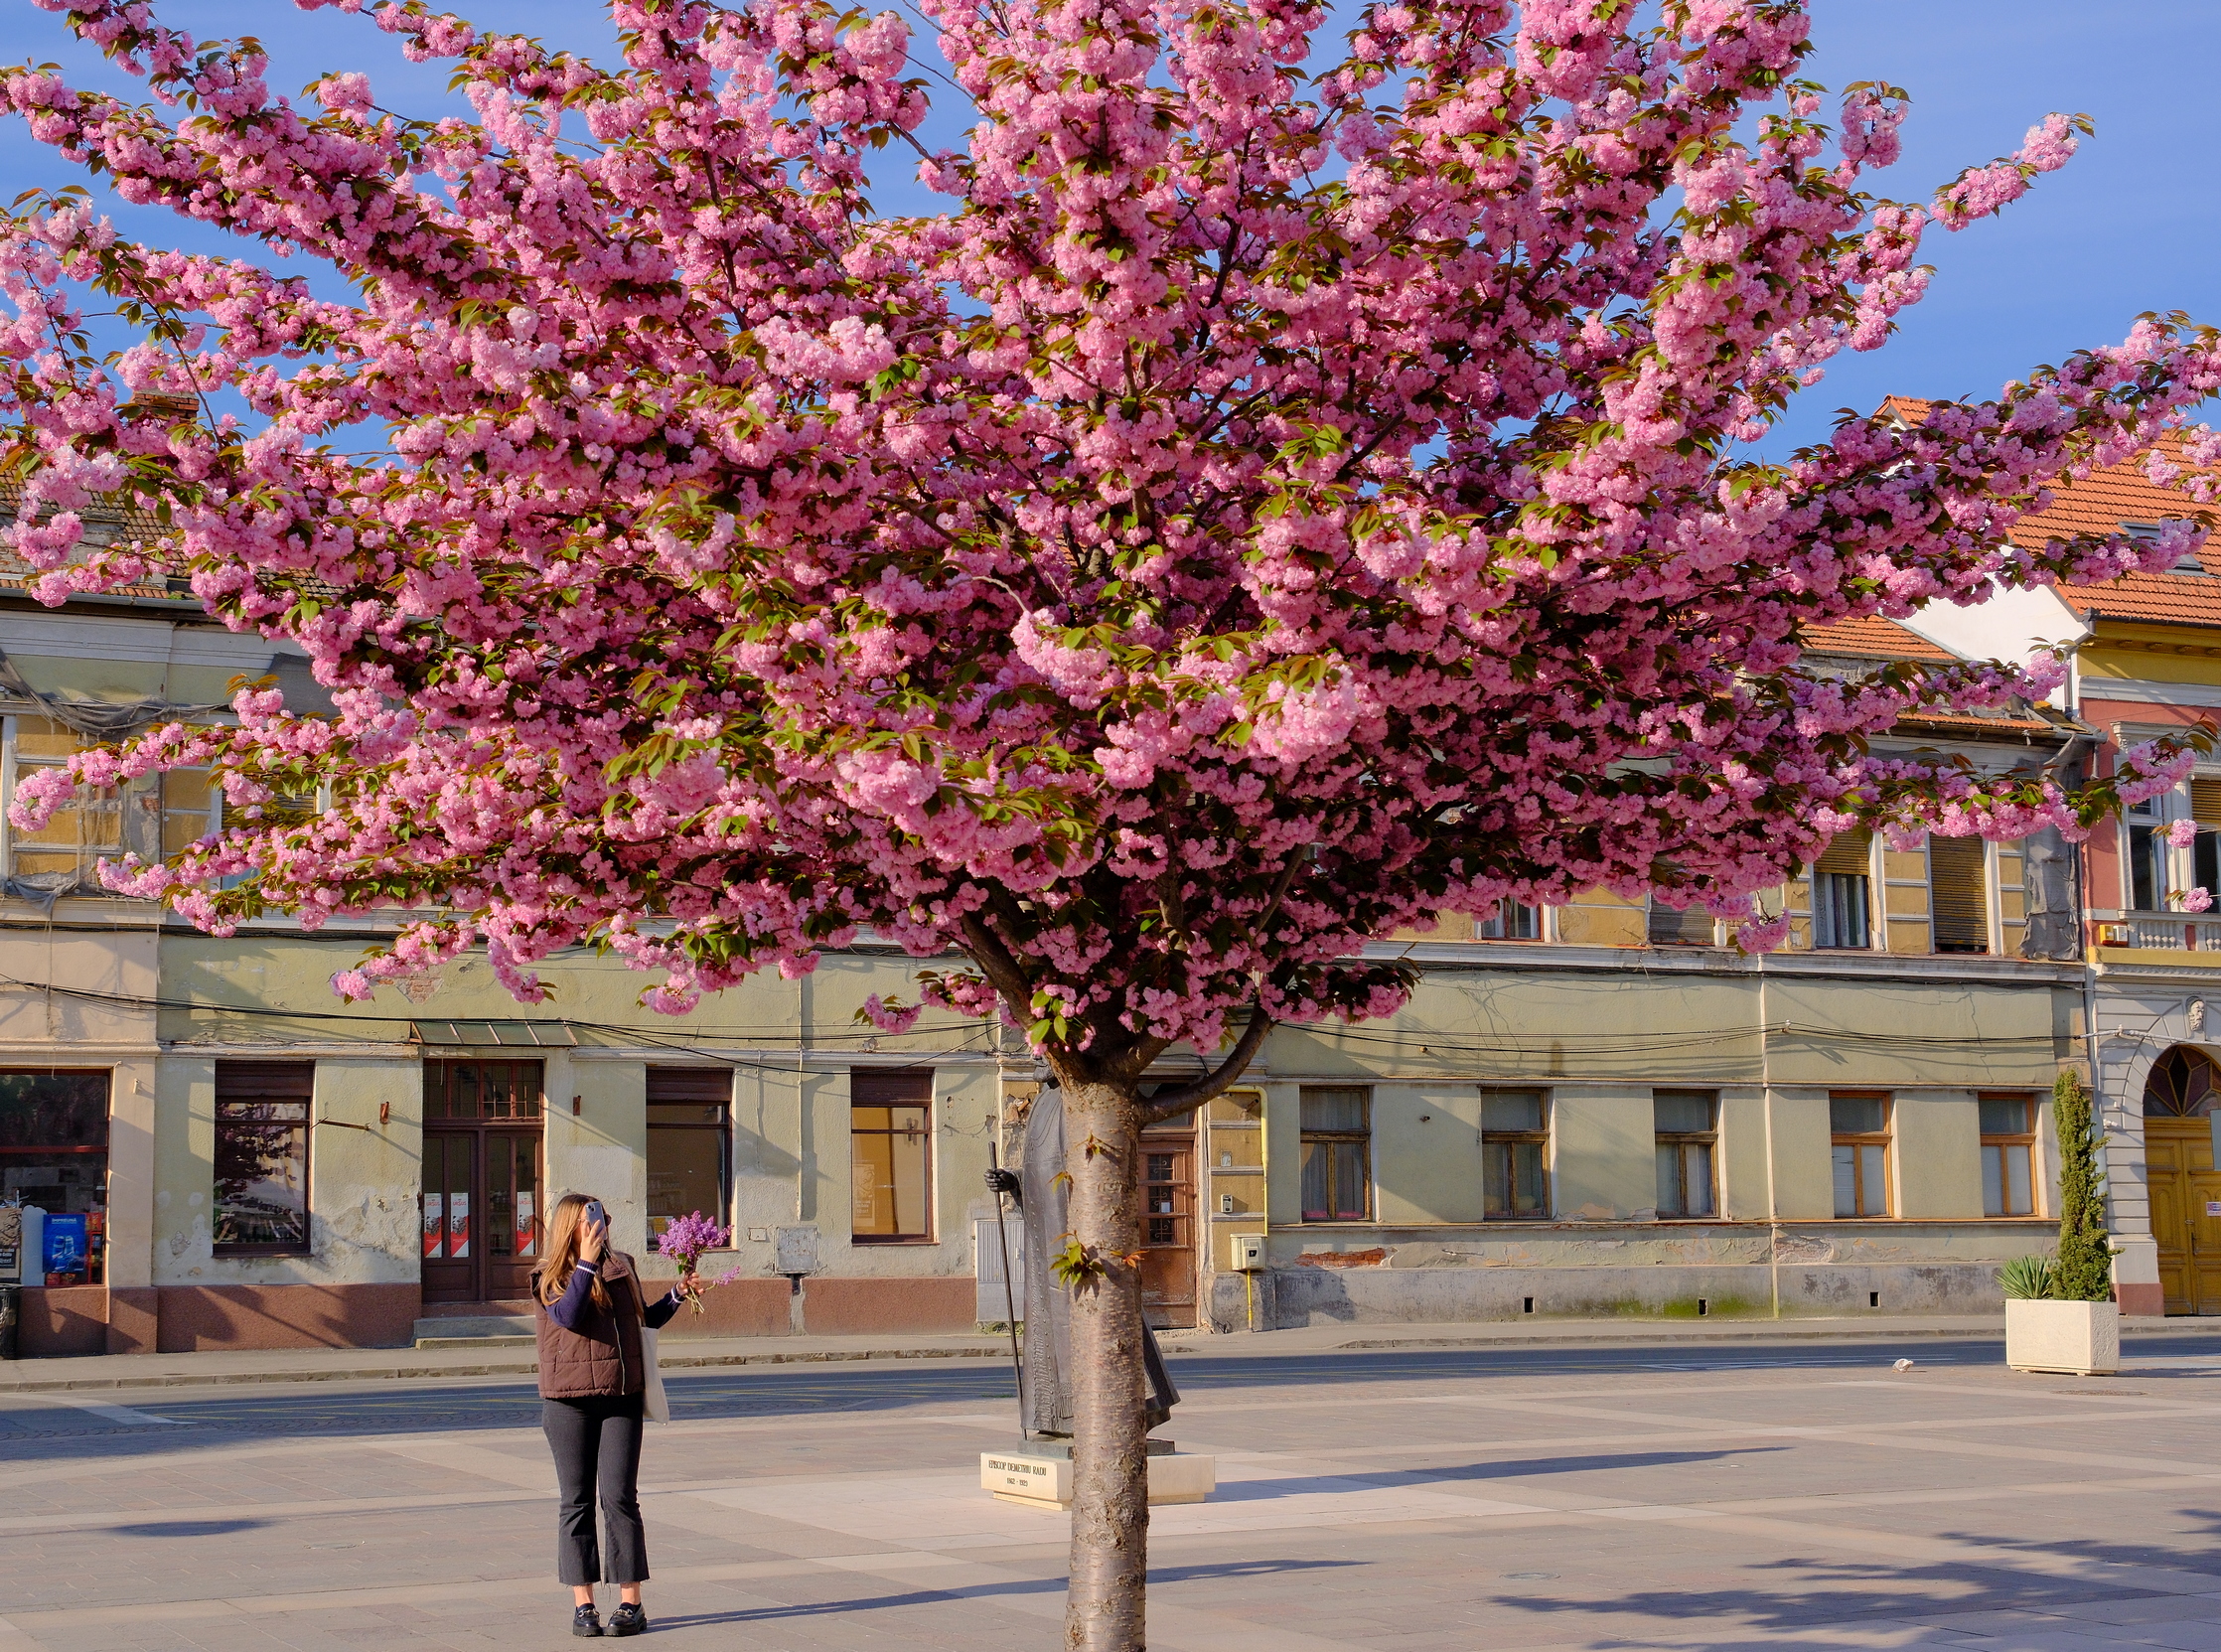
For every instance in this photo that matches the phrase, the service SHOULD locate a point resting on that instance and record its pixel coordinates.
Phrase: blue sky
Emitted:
(2133, 224)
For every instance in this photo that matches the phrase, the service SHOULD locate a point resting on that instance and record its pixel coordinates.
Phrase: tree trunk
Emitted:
(1109, 1461)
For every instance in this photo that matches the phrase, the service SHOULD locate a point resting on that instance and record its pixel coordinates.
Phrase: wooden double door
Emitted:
(2185, 1188)
(484, 1208)
(1169, 1226)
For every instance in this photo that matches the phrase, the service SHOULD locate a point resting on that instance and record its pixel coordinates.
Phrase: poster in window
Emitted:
(11, 1245)
(524, 1223)
(459, 1226)
(435, 1218)
(66, 1251)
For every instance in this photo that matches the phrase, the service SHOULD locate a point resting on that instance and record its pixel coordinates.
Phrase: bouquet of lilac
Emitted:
(686, 1241)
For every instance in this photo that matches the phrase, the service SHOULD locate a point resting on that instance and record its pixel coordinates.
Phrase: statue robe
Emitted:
(1046, 1353)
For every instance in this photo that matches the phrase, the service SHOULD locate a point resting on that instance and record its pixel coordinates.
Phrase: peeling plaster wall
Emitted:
(363, 1182)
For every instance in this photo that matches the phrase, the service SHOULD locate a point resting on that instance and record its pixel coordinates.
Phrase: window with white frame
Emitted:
(2145, 870)
(1692, 927)
(1958, 894)
(154, 817)
(1842, 887)
(1513, 921)
(2206, 847)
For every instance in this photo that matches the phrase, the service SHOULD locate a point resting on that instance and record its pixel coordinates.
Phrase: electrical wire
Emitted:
(1408, 1044)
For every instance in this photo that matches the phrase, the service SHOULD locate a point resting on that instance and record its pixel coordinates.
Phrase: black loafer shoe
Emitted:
(627, 1619)
(586, 1623)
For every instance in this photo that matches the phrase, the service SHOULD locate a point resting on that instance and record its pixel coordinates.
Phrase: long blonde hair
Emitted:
(563, 1225)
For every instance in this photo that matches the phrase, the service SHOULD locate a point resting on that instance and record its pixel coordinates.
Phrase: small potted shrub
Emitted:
(2059, 1312)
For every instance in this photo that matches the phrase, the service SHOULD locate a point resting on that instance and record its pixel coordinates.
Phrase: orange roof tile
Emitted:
(2105, 501)
(104, 524)
(1872, 638)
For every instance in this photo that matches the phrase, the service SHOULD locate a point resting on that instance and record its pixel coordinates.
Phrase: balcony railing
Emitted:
(2166, 932)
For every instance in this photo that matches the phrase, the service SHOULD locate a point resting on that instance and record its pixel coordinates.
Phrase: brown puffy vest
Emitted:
(602, 1358)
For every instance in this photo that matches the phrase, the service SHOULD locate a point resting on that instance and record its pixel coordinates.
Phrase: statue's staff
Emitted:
(1010, 1300)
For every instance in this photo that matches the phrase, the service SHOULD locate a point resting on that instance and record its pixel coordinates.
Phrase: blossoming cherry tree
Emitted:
(1289, 488)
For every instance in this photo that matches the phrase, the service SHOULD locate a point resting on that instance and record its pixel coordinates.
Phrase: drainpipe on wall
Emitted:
(1766, 1096)
(2081, 897)
(802, 1091)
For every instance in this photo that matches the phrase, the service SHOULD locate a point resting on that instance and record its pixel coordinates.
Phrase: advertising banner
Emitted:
(11, 1245)
(65, 1250)
(459, 1226)
(435, 1224)
(525, 1224)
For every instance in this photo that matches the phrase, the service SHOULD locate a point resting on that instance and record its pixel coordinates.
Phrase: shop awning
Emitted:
(542, 1035)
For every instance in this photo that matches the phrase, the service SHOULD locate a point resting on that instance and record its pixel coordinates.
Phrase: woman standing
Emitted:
(593, 1384)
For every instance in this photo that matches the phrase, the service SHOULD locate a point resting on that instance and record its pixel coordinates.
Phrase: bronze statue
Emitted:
(1047, 1348)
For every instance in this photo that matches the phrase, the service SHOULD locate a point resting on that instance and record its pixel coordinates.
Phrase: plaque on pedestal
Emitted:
(1038, 1475)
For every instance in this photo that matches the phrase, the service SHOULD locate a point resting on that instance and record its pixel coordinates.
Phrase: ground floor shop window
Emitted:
(262, 1157)
(690, 1145)
(1515, 1155)
(1687, 1124)
(53, 1153)
(1858, 1129)
(1337, 1146)
(890, 1156)
(2009, 1155)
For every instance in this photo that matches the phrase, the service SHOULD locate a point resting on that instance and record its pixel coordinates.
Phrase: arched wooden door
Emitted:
(2179, 1099)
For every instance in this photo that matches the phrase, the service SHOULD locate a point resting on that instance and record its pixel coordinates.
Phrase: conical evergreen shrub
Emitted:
(2084, 1271)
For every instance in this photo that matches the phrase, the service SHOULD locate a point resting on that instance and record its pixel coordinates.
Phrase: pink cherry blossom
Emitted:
(1253, 515)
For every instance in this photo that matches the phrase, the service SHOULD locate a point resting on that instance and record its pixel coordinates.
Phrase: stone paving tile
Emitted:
(1391, 1515)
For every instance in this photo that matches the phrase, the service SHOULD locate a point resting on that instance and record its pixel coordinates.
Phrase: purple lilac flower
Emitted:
(684, 1242)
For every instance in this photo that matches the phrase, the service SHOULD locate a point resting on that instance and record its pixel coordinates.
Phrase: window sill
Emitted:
(224, 1253)
(876, 1240)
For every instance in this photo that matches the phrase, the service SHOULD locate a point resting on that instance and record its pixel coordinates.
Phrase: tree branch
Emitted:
(1166, 1103)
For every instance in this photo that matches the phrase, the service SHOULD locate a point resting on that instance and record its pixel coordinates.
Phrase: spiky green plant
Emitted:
(2027, 1278)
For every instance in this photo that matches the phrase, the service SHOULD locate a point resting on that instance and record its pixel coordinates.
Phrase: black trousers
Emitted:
(597, 1442)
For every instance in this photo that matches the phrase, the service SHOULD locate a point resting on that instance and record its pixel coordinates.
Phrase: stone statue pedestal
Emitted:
(1038, 1475)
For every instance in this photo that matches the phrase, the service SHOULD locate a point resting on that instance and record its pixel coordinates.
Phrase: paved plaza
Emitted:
(1406, 1501)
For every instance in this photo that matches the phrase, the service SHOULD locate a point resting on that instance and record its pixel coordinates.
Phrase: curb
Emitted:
(1880, 1333)
(490, 1368)
(1215, 1347)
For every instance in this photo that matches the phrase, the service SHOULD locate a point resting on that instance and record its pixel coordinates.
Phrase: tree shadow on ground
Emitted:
(183, 1528)
(1818, 1594)
(1158, 1575)
(1253, 1491)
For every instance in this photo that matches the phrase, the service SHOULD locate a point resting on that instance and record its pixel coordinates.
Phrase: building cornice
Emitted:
(1546, 956)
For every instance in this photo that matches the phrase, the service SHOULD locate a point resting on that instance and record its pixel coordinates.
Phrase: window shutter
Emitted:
(2205, 801)
(1850, 854)
(690, 1084)
(1957, 908)
(885, 1086)
(1690, 928)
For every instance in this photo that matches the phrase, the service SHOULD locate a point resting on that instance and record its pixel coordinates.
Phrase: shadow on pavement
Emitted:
(1817, 1594)
(1257, 1491)
(1158, 1577)
(185, 1528)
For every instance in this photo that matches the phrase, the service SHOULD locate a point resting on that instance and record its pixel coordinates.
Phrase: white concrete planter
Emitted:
(2081, 1337)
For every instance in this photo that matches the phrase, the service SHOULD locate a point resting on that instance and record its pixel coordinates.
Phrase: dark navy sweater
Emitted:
(566, 1308)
